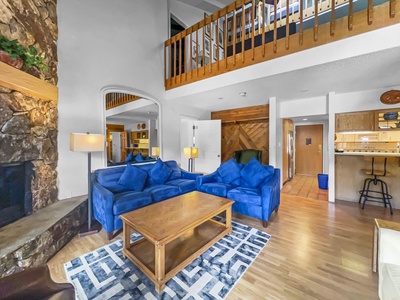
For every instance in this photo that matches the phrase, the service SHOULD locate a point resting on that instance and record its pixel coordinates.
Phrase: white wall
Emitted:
(187, 14)
(100, 45)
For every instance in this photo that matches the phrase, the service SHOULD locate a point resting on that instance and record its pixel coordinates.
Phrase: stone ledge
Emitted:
(33, 240)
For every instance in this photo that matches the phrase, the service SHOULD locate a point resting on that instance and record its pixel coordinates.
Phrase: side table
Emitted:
(378, 225)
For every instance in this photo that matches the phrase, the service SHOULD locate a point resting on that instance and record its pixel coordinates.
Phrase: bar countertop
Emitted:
(384, 154)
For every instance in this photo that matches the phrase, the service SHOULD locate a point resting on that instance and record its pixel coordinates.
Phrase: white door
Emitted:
(207, 137)
(186, 139)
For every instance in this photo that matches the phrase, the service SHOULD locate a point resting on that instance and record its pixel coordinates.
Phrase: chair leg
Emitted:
(388, 198)
(110, 235)
(363, 190)
(383, 193)
(264, 223)
(366, 193)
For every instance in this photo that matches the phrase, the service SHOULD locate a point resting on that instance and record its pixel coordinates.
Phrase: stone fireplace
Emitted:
(15, 191)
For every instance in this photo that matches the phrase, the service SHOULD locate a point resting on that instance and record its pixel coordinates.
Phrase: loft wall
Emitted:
(244, 128)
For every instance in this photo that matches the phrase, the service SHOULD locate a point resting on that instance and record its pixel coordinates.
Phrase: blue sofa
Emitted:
(121, 189)
(254, 187)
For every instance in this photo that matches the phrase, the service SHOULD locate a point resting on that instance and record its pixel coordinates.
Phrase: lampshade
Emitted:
(191, 152)
(155, 151)
(86, 142)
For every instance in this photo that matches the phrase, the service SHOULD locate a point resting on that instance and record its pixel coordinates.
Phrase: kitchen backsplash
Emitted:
(382, 141)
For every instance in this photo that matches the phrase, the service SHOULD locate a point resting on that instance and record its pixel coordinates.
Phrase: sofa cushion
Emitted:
(245, 195)
(216, 188)
(128, 201)
(162, 192)
(129, 158)
(176, 170)
(184, 185)
(133, 178)
(229, 171)
(139, 158)
(255, 173)
(159, 173)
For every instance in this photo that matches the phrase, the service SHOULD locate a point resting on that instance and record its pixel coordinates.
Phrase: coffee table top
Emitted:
(168, 218)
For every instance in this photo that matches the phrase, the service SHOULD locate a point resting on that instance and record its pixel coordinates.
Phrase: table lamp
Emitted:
(155, 151)
(191, 153)
(87, 142)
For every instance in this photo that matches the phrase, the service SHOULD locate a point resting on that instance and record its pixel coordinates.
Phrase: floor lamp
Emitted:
(191, 153)
(87, 142)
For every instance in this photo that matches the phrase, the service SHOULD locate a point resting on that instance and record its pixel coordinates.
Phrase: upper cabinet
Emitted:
(355, 121)
(388, 119)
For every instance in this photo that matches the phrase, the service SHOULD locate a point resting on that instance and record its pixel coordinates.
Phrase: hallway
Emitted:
(305, 186)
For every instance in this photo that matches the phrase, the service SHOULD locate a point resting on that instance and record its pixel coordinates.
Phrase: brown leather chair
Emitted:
(34, 284)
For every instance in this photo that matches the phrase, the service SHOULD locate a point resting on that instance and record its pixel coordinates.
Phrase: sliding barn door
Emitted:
(245, 135)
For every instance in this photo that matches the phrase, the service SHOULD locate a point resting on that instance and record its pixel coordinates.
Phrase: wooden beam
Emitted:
(18, 80)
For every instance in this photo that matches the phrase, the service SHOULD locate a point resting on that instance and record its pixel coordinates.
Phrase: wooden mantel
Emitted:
(18, 80)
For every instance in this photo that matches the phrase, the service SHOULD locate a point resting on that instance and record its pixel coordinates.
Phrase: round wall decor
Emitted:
(391, 97)
(138, 126)
(143, 126)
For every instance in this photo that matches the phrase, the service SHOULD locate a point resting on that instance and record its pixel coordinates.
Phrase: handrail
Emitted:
(230, 39)
(117, 99)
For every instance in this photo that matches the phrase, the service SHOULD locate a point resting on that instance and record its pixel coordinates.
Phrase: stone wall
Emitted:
(28, 126)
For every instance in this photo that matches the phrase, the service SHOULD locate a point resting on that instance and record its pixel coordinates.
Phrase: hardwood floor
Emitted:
(318, 250)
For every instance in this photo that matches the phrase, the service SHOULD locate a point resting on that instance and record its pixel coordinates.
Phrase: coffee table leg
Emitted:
(375, 249)
(228, 222)
(127, 238)
(159, 266)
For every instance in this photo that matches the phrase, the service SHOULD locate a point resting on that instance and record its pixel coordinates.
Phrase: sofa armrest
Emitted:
(103, 201)
(202, 179)
(188, 175)
(270, 195)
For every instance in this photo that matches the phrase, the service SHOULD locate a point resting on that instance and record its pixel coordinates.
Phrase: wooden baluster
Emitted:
(333, 19)
(253, 27)
(165, 63)
(275, 29)
(315, 20)
(234, 35)
(243, 35)
(217, 40)
(350, 17)
(287, 25)
(211, 43)
(184, 51)
(204, 47)
(175, 59)
(179, 72)
(301, 23)
(197, 51)
(191, 54)
(225, 33)
(370, 11)
(392, 8)
(263, 29)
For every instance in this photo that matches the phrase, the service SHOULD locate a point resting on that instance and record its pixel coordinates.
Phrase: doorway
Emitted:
(309, 149)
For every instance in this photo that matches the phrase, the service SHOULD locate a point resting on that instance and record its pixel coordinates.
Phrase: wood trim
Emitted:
(23, 82)
(381, 17)
(259, 112)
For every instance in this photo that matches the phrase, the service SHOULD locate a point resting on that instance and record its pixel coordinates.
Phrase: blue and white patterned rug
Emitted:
(105, 274)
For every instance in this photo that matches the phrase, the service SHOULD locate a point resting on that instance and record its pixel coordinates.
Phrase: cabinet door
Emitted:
(357, 121)
(387, 125)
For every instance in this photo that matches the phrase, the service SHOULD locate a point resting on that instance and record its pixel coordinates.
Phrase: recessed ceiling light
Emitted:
(305, 119)
(242, 94)
(220, 98)
(304, 90)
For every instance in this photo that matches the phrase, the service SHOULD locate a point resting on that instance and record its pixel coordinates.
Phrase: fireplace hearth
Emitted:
(15, 191)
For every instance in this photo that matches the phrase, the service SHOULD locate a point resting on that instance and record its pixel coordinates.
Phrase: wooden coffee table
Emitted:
(175, 231)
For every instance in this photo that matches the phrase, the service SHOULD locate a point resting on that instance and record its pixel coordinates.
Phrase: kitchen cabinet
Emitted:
(387, 125)
(355, 121)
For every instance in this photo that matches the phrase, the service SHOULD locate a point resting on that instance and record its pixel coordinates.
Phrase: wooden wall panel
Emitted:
(287, 125)
(258, 112)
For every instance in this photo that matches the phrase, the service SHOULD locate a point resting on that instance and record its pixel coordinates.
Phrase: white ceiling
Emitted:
(371, 71)
(139, 114)
(207, 5)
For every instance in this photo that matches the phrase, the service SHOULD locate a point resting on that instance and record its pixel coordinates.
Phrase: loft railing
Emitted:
(117, 99)
(225, 40)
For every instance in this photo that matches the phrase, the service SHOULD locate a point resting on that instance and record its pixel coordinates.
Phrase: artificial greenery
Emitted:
(16, 50)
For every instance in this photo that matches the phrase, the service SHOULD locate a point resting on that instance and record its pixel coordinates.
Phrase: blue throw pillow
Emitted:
(129, 157)
(159, 173)
(133, 178)
(229, 171)
(254, 173)
(139, 157)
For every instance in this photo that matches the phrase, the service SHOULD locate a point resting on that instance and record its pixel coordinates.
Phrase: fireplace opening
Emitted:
(15, 191)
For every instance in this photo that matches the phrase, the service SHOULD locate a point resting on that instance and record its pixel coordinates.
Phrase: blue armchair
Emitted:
(254, 187)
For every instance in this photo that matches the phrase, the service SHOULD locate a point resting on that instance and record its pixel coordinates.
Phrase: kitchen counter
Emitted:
(384, 154)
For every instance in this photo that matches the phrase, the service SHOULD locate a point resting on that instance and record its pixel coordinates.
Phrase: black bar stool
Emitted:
(373, 195)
